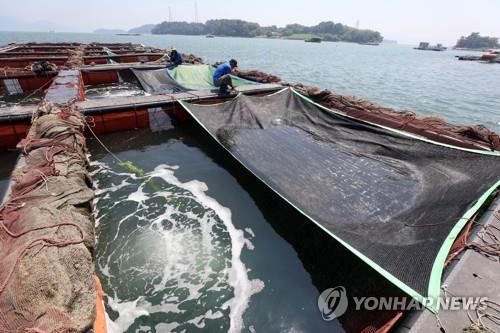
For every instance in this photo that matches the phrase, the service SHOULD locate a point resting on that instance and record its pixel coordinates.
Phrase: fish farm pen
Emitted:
(385, 202)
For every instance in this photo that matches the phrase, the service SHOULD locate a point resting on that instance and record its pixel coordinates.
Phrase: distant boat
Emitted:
(370, 43)
(426, 47)
(313, 40)
(210, 36)
(493, 56)
(128, 34)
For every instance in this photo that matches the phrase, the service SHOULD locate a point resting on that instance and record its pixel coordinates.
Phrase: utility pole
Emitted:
(196, 11)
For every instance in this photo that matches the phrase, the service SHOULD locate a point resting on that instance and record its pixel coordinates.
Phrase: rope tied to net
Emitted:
(100, 142)
(488, 239)
(31, 143)
(126, 165)
(490, 310)
(37, 90)
(44, 241)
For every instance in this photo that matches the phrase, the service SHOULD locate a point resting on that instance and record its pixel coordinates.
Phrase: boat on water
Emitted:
(425, 46)
(210, 36)
(490, 57)
(393, 190)
(128, 34)
(314, 40)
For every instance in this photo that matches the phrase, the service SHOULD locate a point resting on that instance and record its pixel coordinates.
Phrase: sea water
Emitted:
(431, 83)
(175, 246)
(184, 247)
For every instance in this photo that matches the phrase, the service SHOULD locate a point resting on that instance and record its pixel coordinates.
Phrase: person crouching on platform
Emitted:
(222, 76)
(175, 58)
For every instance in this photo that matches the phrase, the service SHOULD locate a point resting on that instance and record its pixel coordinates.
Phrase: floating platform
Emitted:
(491, 57)
(17, 77)
(425, 46)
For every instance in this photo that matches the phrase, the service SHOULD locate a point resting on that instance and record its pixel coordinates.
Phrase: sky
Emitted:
(406, 21)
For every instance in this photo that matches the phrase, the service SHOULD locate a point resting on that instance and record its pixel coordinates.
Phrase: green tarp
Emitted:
(199, 77)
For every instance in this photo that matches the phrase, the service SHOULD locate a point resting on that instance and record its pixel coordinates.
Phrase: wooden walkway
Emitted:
(23, 113)
(136, 102)
(121, 66)
(17, 112)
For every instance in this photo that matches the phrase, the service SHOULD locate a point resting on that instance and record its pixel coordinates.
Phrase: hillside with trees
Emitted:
(475, 41)
(328, 31)
(143, 29)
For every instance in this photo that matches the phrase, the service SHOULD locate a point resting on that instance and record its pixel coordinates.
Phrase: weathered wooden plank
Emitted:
(156, 100)
(17, 110)
(118, 66)
(134, 102)
(123, 55)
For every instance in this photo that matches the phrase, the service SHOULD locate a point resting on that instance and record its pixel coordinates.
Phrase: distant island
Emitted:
(475, 41)
(327, 31)
(143, 29)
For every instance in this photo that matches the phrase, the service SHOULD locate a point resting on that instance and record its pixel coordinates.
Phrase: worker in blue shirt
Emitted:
(222, 76)
(175, 58)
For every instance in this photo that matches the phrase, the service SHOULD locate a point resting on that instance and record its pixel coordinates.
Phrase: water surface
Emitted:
(187, 249)
(432, 83)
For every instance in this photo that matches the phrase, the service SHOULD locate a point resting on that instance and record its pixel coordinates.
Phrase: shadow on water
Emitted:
(328, 263)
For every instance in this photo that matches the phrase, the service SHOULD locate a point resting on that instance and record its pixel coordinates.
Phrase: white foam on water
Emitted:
(181, 250)
(244, 288)
(249, 245)
(128, 311)
(250, 232)
(139, 196)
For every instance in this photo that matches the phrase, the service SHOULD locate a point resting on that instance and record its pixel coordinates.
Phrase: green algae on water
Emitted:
(142, 175)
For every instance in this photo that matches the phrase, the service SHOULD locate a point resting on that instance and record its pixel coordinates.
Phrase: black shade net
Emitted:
(157, 81)
(390, 198)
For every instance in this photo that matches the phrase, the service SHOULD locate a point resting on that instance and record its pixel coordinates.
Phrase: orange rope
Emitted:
(45, 241)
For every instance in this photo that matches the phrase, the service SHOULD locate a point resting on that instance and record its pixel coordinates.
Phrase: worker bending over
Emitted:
(222, 76)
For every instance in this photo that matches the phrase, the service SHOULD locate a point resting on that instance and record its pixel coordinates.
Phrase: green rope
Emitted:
(172, 199)
(139, 173)
(132, 168)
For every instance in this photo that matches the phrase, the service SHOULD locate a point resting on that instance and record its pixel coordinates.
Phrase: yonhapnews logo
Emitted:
(333, 303)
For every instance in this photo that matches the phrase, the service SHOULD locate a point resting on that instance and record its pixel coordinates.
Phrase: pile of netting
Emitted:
(259, 76)
(47, 230)
(254, 75)
(189, 58)
(6, 71)
(40, 67)
(75, 59)
(433, 127)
